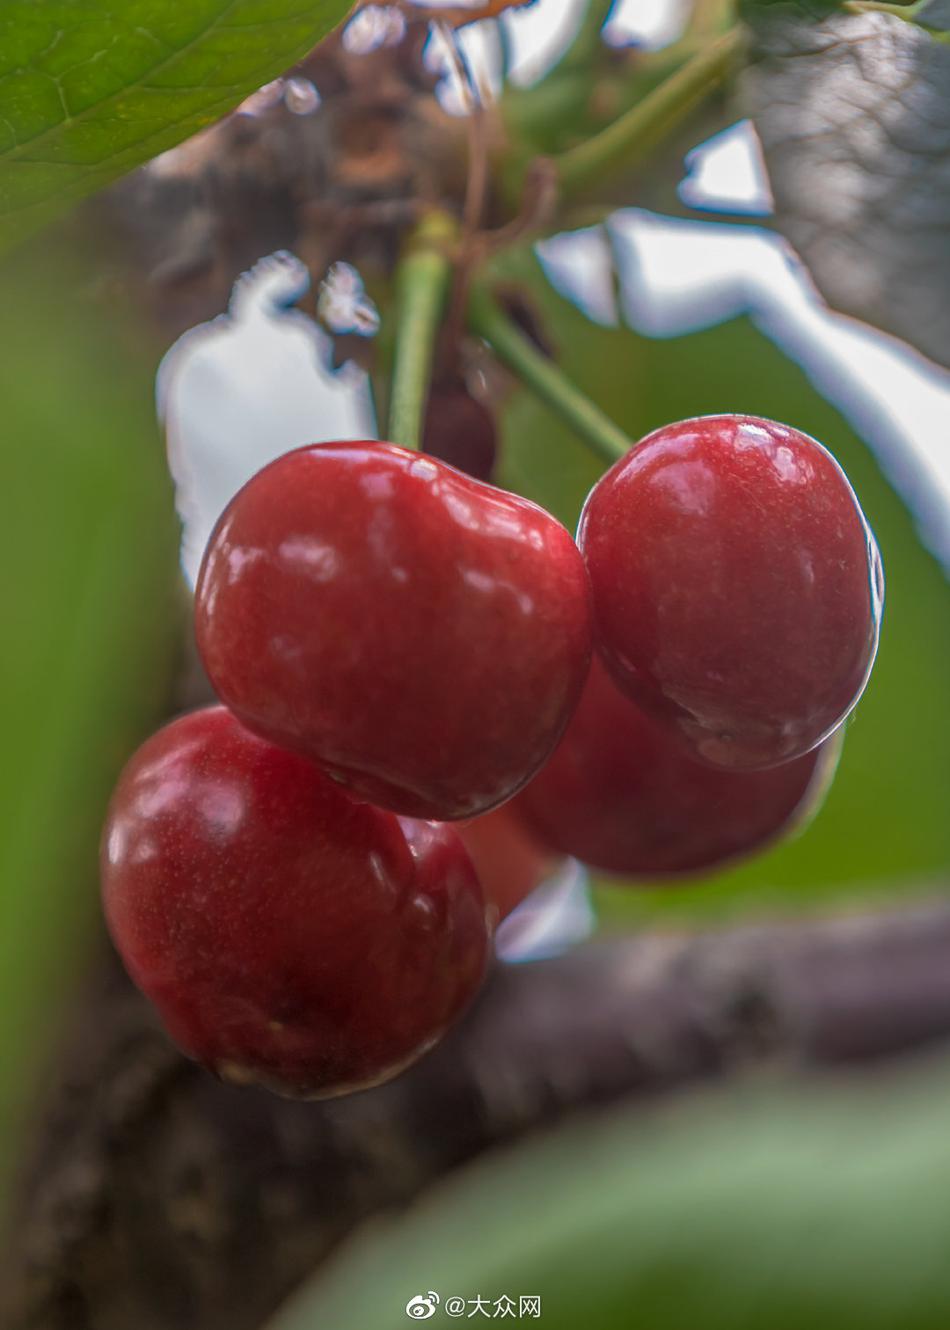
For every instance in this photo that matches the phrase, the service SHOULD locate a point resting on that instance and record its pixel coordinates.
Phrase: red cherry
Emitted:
(737, 586)
(461, 431)
(422, 636)
(288, 935)
(625, 795)
(509, 860)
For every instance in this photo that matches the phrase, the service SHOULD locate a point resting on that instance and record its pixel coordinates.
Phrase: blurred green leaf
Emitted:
(783, 1207)
(87, 547)
(852, 111)
(87, 92)
(884, 826)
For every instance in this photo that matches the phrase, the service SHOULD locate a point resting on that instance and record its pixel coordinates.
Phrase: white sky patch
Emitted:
(537, 35)
(581, 266)
(650, 24)
(246, 388)
(727, 174)
(533, 38)
(555, 917)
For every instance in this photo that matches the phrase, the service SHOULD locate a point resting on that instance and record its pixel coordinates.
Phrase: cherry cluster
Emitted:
(305, 879)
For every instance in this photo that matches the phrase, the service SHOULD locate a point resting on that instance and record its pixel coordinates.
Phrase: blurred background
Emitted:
(112, 483)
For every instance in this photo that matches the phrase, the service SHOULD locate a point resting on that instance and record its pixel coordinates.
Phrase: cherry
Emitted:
(625, 795)
(288, 935)
(460, 430)
(424, 637)
(510, 861)
(737, 587)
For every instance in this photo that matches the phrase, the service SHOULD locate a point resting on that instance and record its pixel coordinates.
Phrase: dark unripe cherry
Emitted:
(737, 587)
(460, 430)
(288, 935)
(422, 636)
(625, 795)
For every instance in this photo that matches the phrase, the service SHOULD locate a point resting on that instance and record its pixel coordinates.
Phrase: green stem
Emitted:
(542, 376)
(629, 138)
(421, 286)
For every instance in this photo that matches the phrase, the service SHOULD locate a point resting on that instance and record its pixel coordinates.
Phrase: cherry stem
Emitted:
(629, 138)
(422, 281)
(543, 377)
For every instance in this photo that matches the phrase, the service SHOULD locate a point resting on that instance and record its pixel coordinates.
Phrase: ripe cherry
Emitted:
(737, 587)
(510, 861)
(288, 935)
(422, 636)
(625, 795)
(460, 430)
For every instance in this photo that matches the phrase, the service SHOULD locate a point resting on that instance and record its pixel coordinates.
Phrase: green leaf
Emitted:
(883, 828)
(88, 90)
(790, 1207)
(853, 113)
(88, 547)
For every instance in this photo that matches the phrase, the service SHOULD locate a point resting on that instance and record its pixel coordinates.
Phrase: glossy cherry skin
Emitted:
(461, 431)
(737, 587)
(288, 935)
(625, 795)
(422, 636)
(509, 859)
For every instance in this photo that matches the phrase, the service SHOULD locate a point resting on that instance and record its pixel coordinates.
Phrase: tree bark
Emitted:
(160, 1198)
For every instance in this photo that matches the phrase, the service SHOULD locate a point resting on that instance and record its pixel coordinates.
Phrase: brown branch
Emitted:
(160, 1198)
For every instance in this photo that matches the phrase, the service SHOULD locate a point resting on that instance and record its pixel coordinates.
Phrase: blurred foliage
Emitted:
(87, 92)
(87, 547)
(789, 1207)
(884, 826)
(865, 201)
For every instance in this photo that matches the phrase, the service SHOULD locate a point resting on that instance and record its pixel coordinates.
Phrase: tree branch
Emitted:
(160, 1198)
